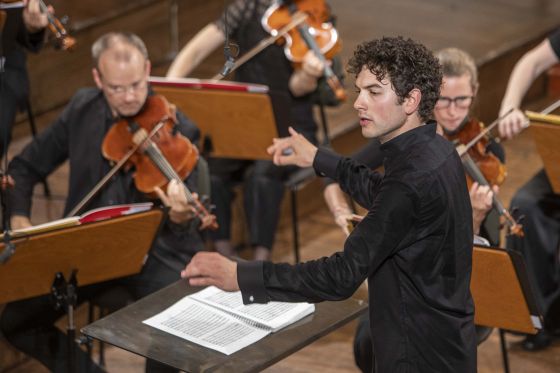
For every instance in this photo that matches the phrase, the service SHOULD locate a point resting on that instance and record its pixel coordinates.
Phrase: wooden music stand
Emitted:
(545, 130)
(236, 120)
(51, 262)
(100, 251)
(502, 294)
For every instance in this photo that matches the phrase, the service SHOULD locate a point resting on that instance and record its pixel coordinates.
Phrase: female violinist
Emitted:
(452, 113)
(263, 182)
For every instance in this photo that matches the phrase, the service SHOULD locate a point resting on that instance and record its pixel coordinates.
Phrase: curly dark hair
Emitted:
(407, 64)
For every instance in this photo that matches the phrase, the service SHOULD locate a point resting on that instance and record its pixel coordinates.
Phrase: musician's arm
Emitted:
(196, 50)
(304, 80)
(527, 69)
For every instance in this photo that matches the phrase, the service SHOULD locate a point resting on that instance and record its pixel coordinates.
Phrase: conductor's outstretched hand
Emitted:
(207, 269)
(292, 150)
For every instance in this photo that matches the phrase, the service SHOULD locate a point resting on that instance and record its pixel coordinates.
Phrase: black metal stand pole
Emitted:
(63, 295)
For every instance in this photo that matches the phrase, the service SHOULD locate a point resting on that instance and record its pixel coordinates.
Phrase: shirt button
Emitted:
(251, 299)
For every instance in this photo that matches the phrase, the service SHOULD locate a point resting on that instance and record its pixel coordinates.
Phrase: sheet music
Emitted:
(219, 320)
(206, 326)
(274, 315)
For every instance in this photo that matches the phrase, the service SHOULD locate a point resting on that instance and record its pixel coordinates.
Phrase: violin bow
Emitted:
(297, 19)
(542, 116)
(462, 149)
(93, 192)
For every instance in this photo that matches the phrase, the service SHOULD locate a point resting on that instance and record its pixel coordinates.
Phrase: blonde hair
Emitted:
(455, 62)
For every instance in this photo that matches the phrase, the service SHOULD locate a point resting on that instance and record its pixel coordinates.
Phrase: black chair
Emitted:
(299, 179)
(105, 303)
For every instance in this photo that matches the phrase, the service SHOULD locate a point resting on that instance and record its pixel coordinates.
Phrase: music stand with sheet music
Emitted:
(502, 294)
(92, 253)
(236, 120)
(124, 329)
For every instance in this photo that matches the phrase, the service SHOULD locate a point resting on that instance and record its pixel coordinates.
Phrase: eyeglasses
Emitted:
(119, 90)
(462, 102)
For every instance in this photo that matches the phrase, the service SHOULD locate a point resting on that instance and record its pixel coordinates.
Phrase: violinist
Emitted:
(263, 182)
(453, 115)
(120, 71)
(23, 29)
(536, 200)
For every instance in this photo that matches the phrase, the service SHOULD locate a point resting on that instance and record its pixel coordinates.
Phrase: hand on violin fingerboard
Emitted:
(34, 19)
(304, 80)
(181, 211)
(312, 65)
(481, 202)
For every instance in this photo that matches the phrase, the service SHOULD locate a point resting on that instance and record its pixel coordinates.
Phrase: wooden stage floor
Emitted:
(485, 28)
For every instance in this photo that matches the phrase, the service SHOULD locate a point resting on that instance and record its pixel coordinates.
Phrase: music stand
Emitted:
(502, 294)
(124, 329)
(92, 252)
(545, 130)
(236, 120)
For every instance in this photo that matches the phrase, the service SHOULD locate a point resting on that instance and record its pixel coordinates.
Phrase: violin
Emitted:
(492, 168)
(62, 39)
(483, 167)
(316, 33)
(150, 142)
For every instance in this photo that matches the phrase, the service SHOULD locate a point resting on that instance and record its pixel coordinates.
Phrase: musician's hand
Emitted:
(293, 150)
(312, 65)
(481, 202)
(512, 124)
(181, 210)
(6, 182)
(207, 269)
(34, 19)
(207, 221)
(19, 222)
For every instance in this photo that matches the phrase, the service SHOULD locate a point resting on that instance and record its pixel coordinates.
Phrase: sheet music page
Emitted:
(275, 315)
(206, 326)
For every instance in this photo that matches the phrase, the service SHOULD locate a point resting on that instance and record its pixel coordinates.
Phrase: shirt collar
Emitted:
(401, 143)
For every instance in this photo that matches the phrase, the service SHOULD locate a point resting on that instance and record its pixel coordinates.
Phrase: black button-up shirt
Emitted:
(414, 246)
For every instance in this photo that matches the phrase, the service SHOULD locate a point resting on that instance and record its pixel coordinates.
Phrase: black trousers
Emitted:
(29, 324)
(541, 208)
(263, 190)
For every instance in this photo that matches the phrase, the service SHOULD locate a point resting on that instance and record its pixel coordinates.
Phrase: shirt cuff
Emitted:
(250, 278)
(326, 163)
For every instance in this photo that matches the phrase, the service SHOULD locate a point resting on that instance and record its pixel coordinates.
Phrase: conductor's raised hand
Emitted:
(292, 150)
(206, 269)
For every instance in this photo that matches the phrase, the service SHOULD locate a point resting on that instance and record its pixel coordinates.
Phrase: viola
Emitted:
(316, 33)
(483, 167)
(151, 143)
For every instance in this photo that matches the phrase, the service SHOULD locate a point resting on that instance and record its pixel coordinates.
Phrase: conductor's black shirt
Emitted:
(414, 247)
